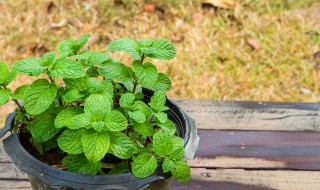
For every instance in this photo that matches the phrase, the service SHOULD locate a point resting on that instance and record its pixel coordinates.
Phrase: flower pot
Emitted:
(43, 176)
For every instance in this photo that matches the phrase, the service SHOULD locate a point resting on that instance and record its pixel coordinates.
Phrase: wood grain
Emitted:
(15, 184)
(257, 179)
(239, 115)
(258, 149)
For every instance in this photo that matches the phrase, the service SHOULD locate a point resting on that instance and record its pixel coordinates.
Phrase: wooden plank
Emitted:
(254, 179)
(258, 149)
(10, 171)
(239, 115)
(15, 184)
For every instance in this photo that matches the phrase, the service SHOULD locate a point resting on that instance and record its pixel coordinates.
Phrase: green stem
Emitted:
(20, 107)
(59, 98)
(135, 86)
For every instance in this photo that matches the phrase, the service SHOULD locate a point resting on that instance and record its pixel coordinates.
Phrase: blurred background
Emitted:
(266, 50)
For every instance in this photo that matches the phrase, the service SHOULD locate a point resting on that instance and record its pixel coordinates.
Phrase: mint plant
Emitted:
(99, 113)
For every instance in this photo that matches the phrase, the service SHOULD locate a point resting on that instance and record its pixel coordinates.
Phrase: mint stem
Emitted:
(136, 81)
(59, 98)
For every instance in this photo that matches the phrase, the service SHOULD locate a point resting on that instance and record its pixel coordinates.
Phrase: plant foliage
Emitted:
(100, 111)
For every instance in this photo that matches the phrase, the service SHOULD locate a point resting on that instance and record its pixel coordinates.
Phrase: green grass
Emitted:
(214, 59)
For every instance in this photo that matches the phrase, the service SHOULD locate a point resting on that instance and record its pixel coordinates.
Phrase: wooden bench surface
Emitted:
(243, 146)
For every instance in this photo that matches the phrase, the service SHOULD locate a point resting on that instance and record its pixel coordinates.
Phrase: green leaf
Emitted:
(90, 58)
(72, 95)
(47, 59)
(29, 66)
(50, 144)
(92, 72)
(168, 165)
(4, 96)
(115, 71)
(42, 127)
(126, 45)
(145, 129)
(39, 96)
(78, 83)
(71, 46)
(163, 83)
(143, 107)
(19, 92)
(119, 168)
(4, 71)
(80, 164)
(64, 117)
(137, 116)
(12, 75)
(145, 43)
(98, 126)
(162, 117)
(127, 100)
(115, 121)
(168, 127)
(178, 149)
(157, 101)
(70, 141)
(162, 144)
(67, 68)
(164, 49)
(129, 86)
(144, 165)
(94, 85)
(95, 145)
(79, 121)
(121, 145)
(147, 73)
(181, 171)
(97, 107)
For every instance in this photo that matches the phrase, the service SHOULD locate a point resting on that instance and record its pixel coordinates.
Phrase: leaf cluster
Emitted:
(100, 110)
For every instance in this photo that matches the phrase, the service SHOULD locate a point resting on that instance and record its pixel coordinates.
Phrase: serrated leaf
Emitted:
(157, 101)
(144, 165)
(64, 117)
(181, 171)
(162, 144)
(167, 165)
(168, 127)
(162, 117)
(90, 58)
(19, 92)
(178, 149)
(93, 85)
(80, 164)
(47, 59)
(116, 121)
(42, 127)
(164, 49)
(126, 45)
(97, 107)
(95, 145)
(79, 121)
(121, 145)
(92, 72)
(119, 168)
(115, 71)
(4, 96)
(127, 100)
(137, 116)
(78, 83)
(71, 46)
(145, 42)
(12, 75)
(67, 68)
(39, 96)
(4, 71)
(145, 129)
(129, 86)
(163, 83)
(29, 66)
(147, 74)
(72, 95)
(70, 141)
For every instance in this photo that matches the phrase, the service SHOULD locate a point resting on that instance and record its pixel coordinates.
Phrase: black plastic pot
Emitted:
(43, 176)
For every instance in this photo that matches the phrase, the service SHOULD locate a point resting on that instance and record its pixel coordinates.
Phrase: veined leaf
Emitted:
(162, 144)
(72, 95)
(115, 121)
(95, 145)
(115, 71)
(70, 141)
(19, 92)
(64, 117)
(157, 101)
(97, 107)
(181, 171)
(90, 58)
(4, 71)
(147, 73)
(121, 145)
(29, 66)
(4, 96)
(47, 59)
(67, 68)
(163, 83)
(164, 49)
(126, 45)
(144, 165)
(79, 121)
(80, 164)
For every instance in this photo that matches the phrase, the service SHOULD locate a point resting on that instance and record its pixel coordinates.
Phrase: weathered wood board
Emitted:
(238, 115)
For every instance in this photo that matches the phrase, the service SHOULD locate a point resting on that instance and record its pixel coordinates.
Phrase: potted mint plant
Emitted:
(92, 122)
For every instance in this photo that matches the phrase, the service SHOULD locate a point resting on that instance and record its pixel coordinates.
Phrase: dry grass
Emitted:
(214, 59)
